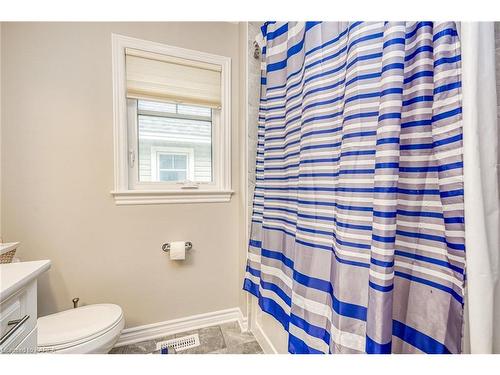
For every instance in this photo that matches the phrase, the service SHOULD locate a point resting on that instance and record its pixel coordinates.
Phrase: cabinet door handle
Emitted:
(17, 323)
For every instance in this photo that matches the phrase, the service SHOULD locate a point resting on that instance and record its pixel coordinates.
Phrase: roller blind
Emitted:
(160, 77)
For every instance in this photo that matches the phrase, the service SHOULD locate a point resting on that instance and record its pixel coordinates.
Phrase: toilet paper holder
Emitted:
(187, 245)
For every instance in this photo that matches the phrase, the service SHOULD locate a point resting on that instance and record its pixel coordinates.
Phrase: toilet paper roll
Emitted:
(177, 250)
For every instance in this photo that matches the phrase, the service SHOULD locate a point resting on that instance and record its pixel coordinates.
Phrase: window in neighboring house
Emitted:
(172, 167)
(172, 110)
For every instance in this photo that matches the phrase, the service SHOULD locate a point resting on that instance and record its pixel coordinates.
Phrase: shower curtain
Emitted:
(357, 240)
(480, 129)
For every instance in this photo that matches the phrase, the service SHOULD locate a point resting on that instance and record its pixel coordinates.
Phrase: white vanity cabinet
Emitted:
(18, 305)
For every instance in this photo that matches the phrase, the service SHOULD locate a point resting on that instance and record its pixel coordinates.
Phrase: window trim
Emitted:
(124, 193)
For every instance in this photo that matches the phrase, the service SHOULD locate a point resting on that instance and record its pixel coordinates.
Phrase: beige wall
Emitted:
(496, 333)
(243, 147)
(57, 166)
(0, 130)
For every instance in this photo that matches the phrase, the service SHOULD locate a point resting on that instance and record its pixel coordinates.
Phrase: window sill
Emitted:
(138, 197)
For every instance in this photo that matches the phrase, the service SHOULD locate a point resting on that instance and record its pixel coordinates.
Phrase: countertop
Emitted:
(13, 276)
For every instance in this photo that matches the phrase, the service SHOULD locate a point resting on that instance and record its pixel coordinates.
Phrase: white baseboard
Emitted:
(171, 327)
(243, 322)
(263, 340)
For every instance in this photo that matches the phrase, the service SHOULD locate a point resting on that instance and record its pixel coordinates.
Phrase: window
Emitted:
(171, 123)
(172, 164)
(171, 129)
(172, 167)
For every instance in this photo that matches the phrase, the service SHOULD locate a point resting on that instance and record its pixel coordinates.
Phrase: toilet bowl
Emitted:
(87, 329)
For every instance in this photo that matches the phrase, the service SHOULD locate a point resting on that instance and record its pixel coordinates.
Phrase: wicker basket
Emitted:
(8, 256)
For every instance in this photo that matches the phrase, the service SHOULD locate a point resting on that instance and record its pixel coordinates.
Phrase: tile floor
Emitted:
(222, 339)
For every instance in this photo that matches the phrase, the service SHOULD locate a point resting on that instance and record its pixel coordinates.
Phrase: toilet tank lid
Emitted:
(77, 325)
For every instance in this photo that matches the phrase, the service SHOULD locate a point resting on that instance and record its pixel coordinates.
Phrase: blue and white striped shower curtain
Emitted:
(357, 241)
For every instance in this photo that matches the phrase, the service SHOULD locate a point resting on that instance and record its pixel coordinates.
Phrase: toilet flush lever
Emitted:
(75, 302)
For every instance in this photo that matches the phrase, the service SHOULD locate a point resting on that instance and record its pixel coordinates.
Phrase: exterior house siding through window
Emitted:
(177, 136)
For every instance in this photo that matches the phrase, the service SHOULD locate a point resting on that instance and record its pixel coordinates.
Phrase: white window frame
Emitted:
(157, 151)
(125, 157)
(133, 130)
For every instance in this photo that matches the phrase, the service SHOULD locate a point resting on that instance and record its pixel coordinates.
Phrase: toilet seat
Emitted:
(85, 329)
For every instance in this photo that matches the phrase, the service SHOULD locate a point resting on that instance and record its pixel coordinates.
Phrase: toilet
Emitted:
(87, 329)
